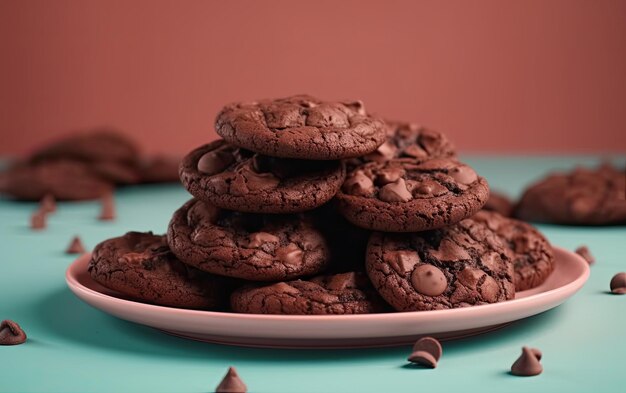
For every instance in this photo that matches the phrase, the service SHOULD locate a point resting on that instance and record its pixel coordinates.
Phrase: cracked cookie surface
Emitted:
(408, 140)
(581, 197)
(345, 293)
(533, 259)
(256, 247)
(141, 265)
(233, 178)
(462, 265)
(301, 127)
(403, 195)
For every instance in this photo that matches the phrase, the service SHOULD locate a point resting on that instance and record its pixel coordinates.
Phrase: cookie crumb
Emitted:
(11, 333)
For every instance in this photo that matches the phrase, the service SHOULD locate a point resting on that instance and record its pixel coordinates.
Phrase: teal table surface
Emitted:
(73, 347)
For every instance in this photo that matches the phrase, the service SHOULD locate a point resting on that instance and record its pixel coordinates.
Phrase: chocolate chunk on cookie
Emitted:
(403, 195)
(499, 203)
(580, 197)
(408, 140)
(256, 247)
(301, 127)
(233, 178)
(141, 265)
(533, 259)
(62, 179)
(465, 264)
(345, 293)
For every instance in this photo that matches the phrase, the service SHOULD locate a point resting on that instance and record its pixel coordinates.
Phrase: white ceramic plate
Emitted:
(334, 331)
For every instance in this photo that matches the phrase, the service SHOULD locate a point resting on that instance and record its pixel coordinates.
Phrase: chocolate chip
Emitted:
(259, 181)
(429, 280)
(290, 254)
(356, 106)
(426, 352)
(231, 383)
(215, 161)
(75, 247)
(48, 204)
(11, 333)
(584, 252)
(464, 175)
(38, 220)
(395, 192)
(403, 261)
(389, 175)
(259, 238)
(358, 184)
(415, 151)
(107, 212)
(387, 150)
(449, 251)
(342, 281)
(527, 365)
(618, 284)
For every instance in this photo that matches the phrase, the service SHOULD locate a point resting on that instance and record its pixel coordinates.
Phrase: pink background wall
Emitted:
(538, 76)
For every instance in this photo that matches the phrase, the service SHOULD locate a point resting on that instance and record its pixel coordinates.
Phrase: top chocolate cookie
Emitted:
(409, 140)
(581, 197)
(302, 127)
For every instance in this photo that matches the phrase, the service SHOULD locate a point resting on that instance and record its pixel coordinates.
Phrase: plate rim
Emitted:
(571, 287)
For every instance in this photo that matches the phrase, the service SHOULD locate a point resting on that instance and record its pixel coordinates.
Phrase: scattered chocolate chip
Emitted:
(426, 352)
(259, 238)
(618, 284)
(291, 254)
(48, 204)
(75, 247)
(108, 208)
(11, 333)
(584, 252)
(395, 192)
(527, 365)
(231, 383)
(38, 220)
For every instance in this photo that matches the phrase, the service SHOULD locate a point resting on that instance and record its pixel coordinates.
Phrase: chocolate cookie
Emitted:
(465, 264)
(141, 265)
(402, 195)
(301, 127)
(580, 197)
(533, 259)
(238, 179)
(109, 153)
(499, 203)
(408, 140)
(346, 293)
(63, 179)
(254, 247)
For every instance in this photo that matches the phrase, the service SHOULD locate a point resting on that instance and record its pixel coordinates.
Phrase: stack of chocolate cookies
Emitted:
(314, 207)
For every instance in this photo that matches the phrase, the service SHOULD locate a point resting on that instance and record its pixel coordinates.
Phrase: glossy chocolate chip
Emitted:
(231, 383)
(584, 252)
(426, 352)
(214, 162)
(395, 192)
(618, 284)
(527, 365)
(11, 333)
(290, 254)
(259, 238)
(359, 184)
(429, 280)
